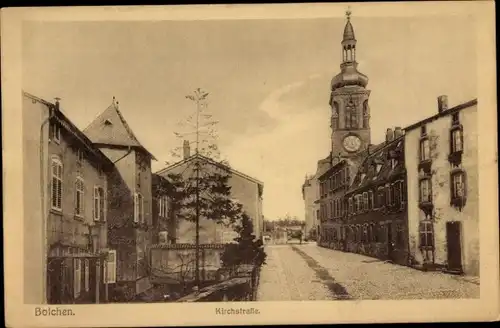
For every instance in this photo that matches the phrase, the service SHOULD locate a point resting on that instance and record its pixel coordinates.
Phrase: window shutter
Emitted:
(101, 203)
(87, 268)
(136, 207)
(111, 267)
(95, 213)
(77, 278)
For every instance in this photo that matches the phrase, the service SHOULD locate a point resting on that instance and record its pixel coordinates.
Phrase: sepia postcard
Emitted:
(250, 164)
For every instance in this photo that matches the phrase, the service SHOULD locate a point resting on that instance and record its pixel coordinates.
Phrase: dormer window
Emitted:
(108, 122)
(55, 132)
(394, 162)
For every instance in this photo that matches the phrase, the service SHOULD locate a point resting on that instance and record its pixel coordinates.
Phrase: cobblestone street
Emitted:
(308, 272)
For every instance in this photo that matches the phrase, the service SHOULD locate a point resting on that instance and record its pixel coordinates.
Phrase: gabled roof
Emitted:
(211, 161)
(72, 129)
(111, 128)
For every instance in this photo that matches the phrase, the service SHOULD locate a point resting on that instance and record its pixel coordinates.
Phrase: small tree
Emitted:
(247, 249)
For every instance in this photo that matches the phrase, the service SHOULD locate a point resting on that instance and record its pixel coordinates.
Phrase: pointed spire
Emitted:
(348, 29)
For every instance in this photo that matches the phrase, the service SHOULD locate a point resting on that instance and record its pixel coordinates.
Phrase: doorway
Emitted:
(390, 244)
(454, 246)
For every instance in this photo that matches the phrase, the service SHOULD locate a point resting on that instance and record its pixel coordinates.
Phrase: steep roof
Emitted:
(73, 130)
(379, 155)
(211, 161)
(111, 128)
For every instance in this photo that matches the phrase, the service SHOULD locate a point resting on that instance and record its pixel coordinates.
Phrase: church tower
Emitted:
(350, 120)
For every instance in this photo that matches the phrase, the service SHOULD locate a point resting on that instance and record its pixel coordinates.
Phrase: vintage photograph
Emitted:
(250, 160)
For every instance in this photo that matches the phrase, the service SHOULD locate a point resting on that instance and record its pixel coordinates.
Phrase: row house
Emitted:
(130, 205)
(376, 223)
(441, 161)
(66, 232)
(333, 184)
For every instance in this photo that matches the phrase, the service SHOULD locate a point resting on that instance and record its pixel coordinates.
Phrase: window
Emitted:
(138, 208)
(77, 277)
(388, 190)
(365, 234)
(350, 116)
(87, 273)
(56, 188)
(350, 205)
(381, 197)
(79, 197)
(424, 150)
(374, 232)
(99, 204)
(379, 166)
(456, 140)
(342, 177)
(458, 185)
(346, 175)
(397, 193)
(55, 133)
(163, 206)
(111, 267)
(365, 201)
(79, 155)
(370, 200)
(425, 190)
(426, 234)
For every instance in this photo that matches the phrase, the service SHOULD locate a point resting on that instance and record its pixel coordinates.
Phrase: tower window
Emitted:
(351, 120)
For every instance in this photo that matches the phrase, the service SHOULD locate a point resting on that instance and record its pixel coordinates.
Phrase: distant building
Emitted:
(244, 189)
(376, 223)
(443, 192)
(130, 215)
(65, 219)
(310, 194)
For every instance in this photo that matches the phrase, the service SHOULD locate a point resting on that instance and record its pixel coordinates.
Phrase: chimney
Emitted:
(398, 132)
(57, 103)
(187, 150)
(389, 135)
(442, 103)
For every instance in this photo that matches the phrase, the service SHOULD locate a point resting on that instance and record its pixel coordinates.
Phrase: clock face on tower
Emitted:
(351, 143)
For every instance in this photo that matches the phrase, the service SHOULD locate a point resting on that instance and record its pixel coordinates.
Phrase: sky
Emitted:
(268, 81)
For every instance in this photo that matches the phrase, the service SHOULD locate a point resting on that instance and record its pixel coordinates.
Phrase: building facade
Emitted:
(163, 223)
(376, 223)
(65, 217)
(130, 223)
(310, 193)
(245, 190)
(441, 162)
(333, 185)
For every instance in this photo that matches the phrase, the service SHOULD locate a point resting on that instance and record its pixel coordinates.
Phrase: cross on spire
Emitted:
(348, 13)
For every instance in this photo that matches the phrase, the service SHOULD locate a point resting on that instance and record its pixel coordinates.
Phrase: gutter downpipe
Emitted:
(44, 207)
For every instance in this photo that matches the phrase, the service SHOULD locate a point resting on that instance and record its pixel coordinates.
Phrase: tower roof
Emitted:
(348, 31)
(111, 128)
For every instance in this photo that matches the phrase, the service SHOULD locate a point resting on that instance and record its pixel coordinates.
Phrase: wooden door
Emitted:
(454, 246)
